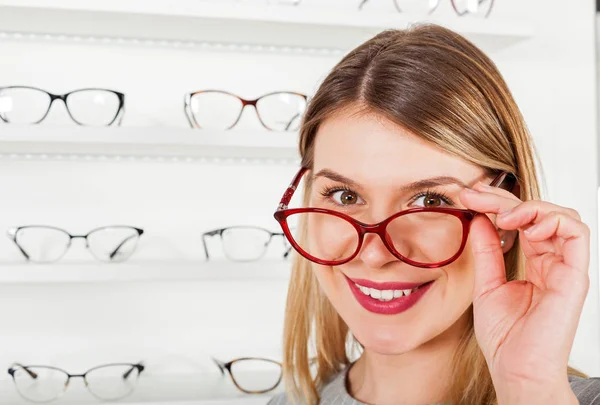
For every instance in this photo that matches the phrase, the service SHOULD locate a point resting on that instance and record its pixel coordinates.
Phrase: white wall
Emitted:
(175, 324)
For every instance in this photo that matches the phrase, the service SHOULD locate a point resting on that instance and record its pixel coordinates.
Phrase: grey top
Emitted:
(587, 391)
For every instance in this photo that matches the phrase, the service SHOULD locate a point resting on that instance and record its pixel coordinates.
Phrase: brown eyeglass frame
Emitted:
(15, 366)
(227, 367)
(465, 216)
(194, 124)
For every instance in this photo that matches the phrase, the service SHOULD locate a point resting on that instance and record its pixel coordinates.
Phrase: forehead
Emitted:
(368, 148)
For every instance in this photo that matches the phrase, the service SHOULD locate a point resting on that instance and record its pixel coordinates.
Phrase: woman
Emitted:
(425, 241)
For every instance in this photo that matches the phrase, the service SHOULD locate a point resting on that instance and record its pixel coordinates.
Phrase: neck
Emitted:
(419, 376)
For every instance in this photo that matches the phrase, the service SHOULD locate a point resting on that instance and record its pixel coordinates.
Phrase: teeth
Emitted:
(385, 295)
(364, 290)
(375, 293)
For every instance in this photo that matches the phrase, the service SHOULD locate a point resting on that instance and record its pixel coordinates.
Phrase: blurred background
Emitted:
(122, 121)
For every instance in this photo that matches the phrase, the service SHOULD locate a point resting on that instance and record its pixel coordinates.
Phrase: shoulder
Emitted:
(280, 399)
(587, 390)
(330, 393)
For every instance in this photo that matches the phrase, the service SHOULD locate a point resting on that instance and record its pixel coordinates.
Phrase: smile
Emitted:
(387, 298)
(385, 295)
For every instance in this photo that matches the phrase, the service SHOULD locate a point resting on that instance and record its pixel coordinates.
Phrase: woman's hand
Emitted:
(526, 328)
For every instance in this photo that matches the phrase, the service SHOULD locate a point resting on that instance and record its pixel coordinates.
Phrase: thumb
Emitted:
(488, 258)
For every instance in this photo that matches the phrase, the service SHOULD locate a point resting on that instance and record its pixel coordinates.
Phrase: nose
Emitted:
(374, 253)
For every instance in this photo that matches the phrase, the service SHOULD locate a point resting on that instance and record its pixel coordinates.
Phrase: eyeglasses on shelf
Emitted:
(47, 244)
(107, 382)
(252, 375)
(427, 237)
(90, 107)
(244, 243)
(480, 8)
(216, 109)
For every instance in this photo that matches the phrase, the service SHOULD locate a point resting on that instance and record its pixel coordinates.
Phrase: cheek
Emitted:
(329, 282)
(460, 278)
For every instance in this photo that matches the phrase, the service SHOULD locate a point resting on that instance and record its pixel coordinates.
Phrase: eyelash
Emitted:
(436, 194)
(329, 191)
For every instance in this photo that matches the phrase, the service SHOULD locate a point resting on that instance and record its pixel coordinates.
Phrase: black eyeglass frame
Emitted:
(219, 232)
(13, 232)
(64, 98)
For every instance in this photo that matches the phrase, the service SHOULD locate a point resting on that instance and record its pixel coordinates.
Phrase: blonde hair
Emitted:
(442, 88)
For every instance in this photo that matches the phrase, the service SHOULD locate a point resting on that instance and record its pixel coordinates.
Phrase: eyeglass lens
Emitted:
(40, 384)
(416, 7)
(245, 244)
(256, 375)
(93, 107)
(112, 382)
(479, 8)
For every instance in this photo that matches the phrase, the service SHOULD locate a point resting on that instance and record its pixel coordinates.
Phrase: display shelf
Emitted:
(239, 23)
(180, 389)
(162, 143)
(81, 272)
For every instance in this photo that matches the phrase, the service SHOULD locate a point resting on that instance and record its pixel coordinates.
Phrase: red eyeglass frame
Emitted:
(465, 216)
(243, 104)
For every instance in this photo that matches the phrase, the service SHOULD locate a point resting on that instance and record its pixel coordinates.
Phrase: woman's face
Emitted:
(363, 165)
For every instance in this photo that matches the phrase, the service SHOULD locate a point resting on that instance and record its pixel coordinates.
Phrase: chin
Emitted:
(386, 339)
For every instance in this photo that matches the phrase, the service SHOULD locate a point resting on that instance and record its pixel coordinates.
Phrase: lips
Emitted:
(405, 295)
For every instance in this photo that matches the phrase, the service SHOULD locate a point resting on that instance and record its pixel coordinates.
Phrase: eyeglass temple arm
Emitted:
(291, 121)
(140, 367)
(12, 235)
(222, 366)
(121, 115)
(504, 180)
(186, 109)
(204, 235)
(127, 239)
(12, 370)
(289, 193)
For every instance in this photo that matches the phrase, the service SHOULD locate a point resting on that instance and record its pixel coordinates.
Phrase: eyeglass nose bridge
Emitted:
(54, 97)
(249, 103)
(378, 229)
(84, 237)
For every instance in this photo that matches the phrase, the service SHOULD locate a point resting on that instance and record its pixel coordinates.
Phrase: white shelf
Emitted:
(181, 389)
(48, 142)
(19, 273)
(241, 23)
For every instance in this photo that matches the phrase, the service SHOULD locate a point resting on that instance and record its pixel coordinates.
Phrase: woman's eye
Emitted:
(346, 197)
(431, 201)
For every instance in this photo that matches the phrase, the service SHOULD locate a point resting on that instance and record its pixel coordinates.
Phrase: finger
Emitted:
(531, 212)
(486, 202)
(576, 236)
(480, 186)
(488, 259)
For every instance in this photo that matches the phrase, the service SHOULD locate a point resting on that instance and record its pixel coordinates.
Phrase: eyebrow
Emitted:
(413, 186)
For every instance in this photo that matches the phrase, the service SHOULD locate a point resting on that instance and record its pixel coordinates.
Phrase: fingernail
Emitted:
(471, 191)
(505, 213)
(530, 229)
